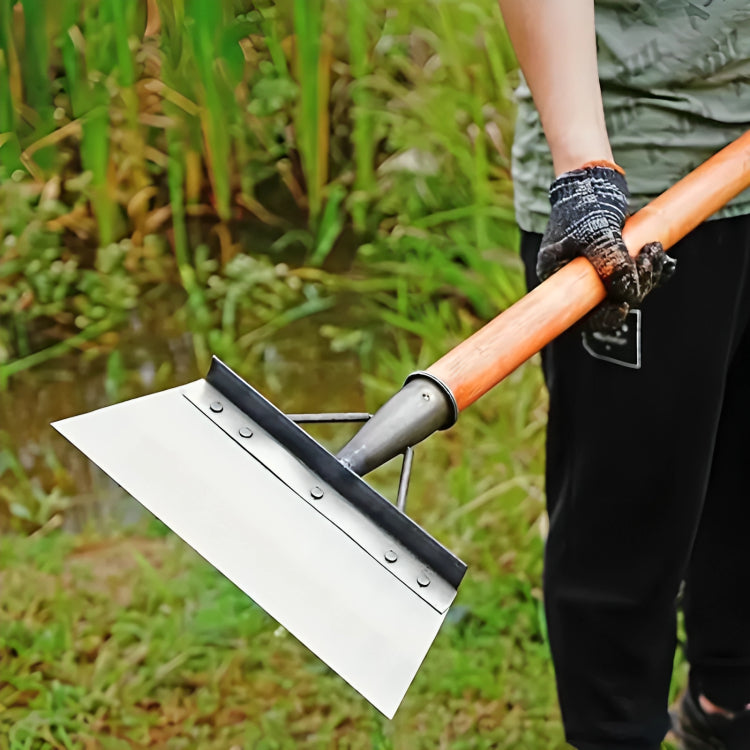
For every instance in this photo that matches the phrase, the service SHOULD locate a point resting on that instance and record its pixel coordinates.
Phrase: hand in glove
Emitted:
(589, 206)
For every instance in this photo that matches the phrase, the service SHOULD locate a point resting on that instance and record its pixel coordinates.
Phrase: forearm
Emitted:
(555, 44)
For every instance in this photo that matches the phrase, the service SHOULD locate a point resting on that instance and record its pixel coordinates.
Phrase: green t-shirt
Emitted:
(675, 78)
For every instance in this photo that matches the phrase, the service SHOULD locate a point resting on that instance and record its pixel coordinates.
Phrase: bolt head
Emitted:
(423, 580)
(246, 432)
(391, 556)
(316, 493)
(216, 406)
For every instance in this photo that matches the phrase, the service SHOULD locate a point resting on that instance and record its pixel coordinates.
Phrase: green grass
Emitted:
(131, 640)
(136, 642)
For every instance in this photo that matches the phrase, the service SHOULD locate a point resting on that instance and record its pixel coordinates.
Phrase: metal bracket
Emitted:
(403, 481)
(363, 416)
(330, 417)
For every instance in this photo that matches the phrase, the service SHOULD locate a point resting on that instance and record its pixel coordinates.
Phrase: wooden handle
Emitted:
(492, 353)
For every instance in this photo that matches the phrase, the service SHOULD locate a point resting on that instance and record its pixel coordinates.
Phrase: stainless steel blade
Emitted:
(334, 591)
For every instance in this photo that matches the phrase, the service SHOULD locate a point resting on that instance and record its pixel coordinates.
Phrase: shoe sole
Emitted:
(690, 741)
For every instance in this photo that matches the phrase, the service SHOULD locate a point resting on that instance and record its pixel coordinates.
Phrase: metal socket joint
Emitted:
(423, 406)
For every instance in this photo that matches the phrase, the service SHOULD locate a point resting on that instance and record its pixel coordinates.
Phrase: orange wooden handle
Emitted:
(492, 353)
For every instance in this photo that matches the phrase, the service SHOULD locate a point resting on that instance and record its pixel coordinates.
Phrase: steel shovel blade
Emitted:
(355, 580)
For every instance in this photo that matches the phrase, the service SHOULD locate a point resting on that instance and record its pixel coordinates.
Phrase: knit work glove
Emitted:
(589, 206)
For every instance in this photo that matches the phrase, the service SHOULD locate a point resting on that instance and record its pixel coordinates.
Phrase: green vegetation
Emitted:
(314, 134)
(318, 192)
(137, 643)
(134, 641)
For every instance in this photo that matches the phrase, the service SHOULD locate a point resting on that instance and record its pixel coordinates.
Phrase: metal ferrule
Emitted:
(423, 406)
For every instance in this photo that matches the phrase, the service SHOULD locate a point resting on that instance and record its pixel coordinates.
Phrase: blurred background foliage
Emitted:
(202, 144)
(317, 191)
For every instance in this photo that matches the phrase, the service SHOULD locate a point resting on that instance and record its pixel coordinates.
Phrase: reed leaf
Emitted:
(205, 22)
(311, 127)
(9, 92)
(122, 18)
(363, 139)
(36, 57)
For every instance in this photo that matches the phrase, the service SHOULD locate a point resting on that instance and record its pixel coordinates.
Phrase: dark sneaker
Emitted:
(697, 730)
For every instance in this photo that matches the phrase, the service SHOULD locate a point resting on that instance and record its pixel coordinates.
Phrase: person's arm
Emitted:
(555, 43)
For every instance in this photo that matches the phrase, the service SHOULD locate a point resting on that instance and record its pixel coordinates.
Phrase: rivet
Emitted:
(246, 432)
(216, 406)
(423, 580)
(391, 556)
(316, 493)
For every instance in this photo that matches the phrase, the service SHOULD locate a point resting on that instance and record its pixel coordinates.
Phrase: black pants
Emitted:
(648, 484)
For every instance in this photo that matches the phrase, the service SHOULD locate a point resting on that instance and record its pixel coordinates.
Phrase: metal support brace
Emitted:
(355, 416)
(330, 418)
(403, 482)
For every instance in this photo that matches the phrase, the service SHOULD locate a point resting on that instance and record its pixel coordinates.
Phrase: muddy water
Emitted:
(297, 371)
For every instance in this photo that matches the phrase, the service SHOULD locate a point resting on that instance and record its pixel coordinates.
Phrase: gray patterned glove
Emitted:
(589, 206)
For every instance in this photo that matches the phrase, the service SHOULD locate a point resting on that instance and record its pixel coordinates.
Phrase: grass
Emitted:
(131, 640)
(136, 642)
(166, 653)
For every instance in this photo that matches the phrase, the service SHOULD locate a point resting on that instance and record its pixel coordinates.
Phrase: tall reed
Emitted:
(363, 140)
(87, 63)
(204, 29)
(9, 91)
(311, 119)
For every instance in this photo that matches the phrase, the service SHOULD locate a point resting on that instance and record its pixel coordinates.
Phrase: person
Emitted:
(649, 412)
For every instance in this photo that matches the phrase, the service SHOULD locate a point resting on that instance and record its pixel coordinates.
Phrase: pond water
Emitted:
(153, 351)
